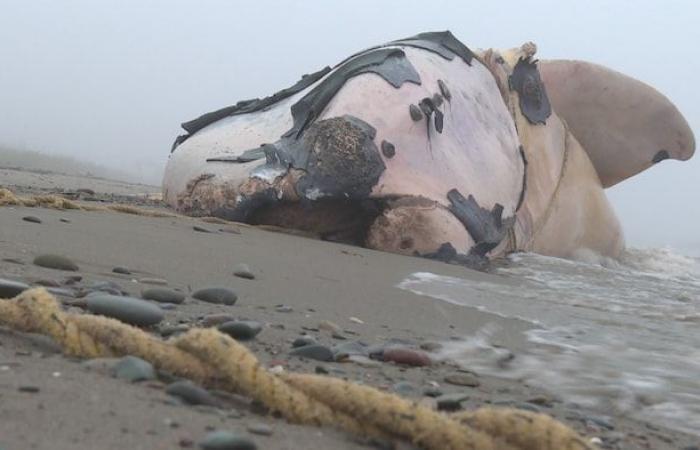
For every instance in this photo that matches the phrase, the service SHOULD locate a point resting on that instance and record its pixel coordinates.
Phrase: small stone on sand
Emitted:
(216, 295)
(163, 295)
(57, 262)
(317, 352)
(190, 393)
(31, 219)
(225, 440)
(9, 288)
(243, 271)
(127, 309)
(242, 330)
(133, 369)
(406, 356)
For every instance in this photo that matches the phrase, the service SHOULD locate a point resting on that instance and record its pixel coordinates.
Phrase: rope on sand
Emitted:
(217, 360)
(7, 198)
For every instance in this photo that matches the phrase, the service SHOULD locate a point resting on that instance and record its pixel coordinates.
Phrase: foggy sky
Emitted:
(110, 81)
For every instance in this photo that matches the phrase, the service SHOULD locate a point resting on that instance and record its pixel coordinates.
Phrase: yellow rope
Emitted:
(7, 198)
(215, 359)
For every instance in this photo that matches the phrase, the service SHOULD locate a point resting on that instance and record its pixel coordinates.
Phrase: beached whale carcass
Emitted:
(422, 146)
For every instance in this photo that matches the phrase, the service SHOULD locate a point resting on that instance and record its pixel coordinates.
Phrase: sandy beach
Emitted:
(336, 294)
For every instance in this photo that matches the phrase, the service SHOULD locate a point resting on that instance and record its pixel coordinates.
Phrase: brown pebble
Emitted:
(407, 356)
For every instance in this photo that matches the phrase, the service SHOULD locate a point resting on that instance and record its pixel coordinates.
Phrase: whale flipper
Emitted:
(624, 125)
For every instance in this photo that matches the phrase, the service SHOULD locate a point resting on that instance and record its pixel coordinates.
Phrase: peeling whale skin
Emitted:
(419, 147)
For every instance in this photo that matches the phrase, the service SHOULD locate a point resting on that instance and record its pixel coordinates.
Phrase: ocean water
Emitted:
(619, 335)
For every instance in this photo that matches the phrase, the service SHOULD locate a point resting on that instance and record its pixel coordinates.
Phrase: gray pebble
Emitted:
(243, 271)
(46, 282)
(32, 219)
(64, 220)
(217, 295)
(163, 295)
(528, 407)
(213, 320)
(432, 392)
(62, 292)
(174, 329)
(225, 440)
(404, 388)
(29, 389)
(302, 341)
(260, 428)
(284, 309)
(200, 229)
(243, 330)
(190, 393)
(155, 281)
(314, 351)
(463, 379)
(104, 366)
(9, 288)
(109, 287)
(133, 369)
(127, 309)
(121, 270)
(14, 261)
(601, 422)
(57, 262)
(450, 402)
(342, 351)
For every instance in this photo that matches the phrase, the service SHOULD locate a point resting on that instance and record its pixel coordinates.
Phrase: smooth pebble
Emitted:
(57, 262)
(126, 309)
(216, 295)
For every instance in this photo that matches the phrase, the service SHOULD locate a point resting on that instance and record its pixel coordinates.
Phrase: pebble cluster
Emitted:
(322, 346)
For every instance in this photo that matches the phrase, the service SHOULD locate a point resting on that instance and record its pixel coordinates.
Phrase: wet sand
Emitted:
(50, 401)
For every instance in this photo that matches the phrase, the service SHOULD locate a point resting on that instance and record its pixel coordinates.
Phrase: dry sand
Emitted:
(80, 407)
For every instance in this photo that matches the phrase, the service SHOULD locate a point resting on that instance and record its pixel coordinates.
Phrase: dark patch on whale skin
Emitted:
(337, 160)
(248, 106)
(443, 43)
(521, 199)
(253, 154)
(415, 112)
(487, 228)
(661, 155)
(390, 64)
(388, 149)
(340, 159)
(439, 120)
(534, 102)
(448, 254)
(444, 90)
(428, 107)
